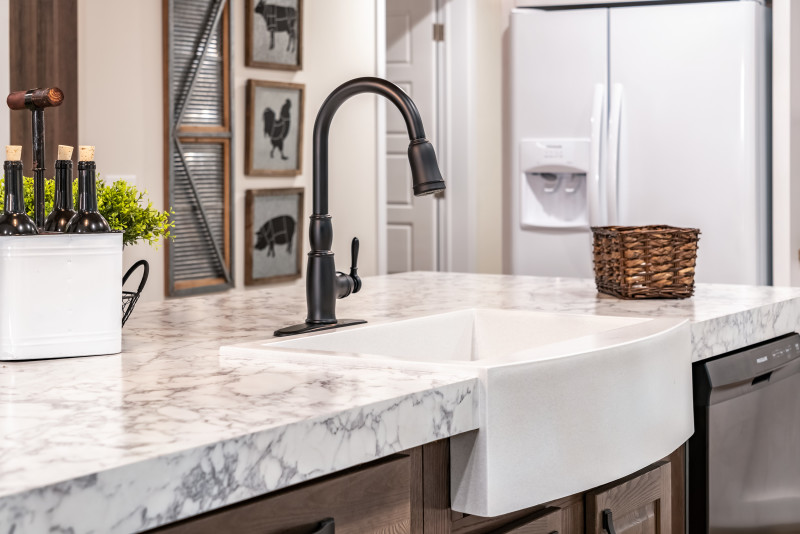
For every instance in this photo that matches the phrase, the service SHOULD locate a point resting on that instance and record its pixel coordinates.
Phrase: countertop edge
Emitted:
(183, 484)
(734, 331)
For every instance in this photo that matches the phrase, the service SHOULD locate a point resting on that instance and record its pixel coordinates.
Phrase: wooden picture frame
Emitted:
(274, 34)
(274, 123)
(273, 235)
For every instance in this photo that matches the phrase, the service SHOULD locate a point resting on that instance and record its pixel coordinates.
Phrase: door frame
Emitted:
(457, 213)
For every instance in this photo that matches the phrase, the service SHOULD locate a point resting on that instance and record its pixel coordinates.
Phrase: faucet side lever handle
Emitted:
(349, 283)
(354, 266)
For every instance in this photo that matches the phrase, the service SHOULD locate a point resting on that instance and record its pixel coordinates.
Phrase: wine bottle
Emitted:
(14, 220)
(88, 220)
(63, 210)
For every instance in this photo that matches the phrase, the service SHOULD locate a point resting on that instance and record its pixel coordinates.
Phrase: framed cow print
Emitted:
(273, 235)
(274, 131)
(274, 34)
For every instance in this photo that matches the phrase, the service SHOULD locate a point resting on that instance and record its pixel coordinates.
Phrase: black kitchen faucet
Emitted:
(323, 283)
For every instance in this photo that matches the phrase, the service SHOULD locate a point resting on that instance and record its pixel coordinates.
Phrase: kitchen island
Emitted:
(169, 429)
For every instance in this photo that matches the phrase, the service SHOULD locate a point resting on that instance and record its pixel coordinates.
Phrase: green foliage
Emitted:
(123, 206)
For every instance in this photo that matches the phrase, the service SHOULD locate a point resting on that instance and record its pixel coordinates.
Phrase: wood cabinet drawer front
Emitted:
(372, 500)
(639, 504)
(564, 516)
(548, 521)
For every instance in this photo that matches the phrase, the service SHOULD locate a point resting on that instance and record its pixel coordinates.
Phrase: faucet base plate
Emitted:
(304, 328)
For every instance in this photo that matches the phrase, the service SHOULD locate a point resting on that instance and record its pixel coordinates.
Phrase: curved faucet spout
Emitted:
(323, 283)
(379, 86)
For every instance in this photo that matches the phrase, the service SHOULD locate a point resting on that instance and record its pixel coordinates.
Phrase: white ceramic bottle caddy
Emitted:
(60, 293)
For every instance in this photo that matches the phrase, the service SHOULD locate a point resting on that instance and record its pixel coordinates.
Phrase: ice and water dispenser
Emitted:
(554, 189)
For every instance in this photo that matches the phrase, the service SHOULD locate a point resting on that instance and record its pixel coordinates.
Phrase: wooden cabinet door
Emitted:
(638, 504)
(375, 499)
(547, 521)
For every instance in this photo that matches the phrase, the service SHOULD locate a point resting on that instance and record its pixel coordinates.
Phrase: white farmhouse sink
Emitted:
(567, 402)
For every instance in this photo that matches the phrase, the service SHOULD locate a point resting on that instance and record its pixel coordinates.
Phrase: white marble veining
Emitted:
(169, 428)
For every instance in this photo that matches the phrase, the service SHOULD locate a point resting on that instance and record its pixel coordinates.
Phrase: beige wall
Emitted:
(490, 18)
(120, 59)
(786, 142)
(339, 44)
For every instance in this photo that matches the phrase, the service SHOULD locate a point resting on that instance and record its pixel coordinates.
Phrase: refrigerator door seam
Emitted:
(615, 128)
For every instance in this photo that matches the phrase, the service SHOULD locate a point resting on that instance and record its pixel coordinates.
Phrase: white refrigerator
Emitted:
(638, 115)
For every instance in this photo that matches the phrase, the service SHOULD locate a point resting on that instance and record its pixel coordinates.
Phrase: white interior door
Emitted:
(411, 222)
(689, 84)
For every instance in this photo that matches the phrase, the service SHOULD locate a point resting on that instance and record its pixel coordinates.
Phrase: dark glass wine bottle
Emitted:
(63, 210)
(88, 220)
(14, 220)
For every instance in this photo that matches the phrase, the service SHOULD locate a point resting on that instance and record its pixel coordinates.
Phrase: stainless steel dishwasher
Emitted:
(744, 457)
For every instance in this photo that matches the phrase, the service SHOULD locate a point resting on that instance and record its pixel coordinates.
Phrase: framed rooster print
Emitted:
(274, 34)
(273, 235)
(274, 136)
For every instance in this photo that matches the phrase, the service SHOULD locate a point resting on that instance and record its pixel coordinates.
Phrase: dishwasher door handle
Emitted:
(761, 378)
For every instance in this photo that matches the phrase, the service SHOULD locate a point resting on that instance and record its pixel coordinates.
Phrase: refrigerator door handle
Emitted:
(614, 127)
(594, 180)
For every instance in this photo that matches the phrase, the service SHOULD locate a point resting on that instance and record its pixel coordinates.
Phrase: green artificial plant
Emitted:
(123, 206)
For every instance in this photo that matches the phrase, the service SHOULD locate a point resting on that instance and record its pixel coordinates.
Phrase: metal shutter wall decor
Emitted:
(205, 106)
(199, 145)
(205, 162)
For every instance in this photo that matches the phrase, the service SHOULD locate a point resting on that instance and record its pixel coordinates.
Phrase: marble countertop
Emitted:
(170, 429)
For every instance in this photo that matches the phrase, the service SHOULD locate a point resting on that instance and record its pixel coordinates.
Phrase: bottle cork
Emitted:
(64, 152)
(13, 152)
(86, 153)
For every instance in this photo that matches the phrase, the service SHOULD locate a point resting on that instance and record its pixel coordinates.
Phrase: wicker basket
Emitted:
(645, 262)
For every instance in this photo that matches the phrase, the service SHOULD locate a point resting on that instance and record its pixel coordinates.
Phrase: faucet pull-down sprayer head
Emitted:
(425, 172)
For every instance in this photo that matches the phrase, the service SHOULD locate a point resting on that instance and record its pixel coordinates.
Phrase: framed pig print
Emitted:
(273, 235)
